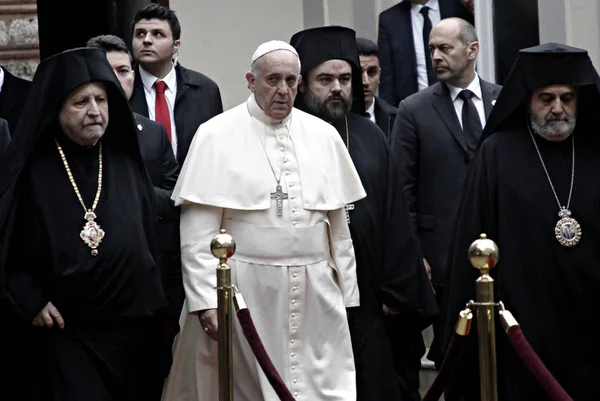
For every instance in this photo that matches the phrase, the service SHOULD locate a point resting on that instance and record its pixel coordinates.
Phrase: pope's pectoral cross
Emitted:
(279, 197)
(348, 208)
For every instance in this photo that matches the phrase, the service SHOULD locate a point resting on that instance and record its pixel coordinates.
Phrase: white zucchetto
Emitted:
(272, 46)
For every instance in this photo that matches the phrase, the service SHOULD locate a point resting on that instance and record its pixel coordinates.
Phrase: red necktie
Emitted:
(161, 108)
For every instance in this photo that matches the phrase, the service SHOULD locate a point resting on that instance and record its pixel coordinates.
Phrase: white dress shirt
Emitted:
(1, 79)
(170, 79)
(417, 28)
(475, 87)
(371, 112)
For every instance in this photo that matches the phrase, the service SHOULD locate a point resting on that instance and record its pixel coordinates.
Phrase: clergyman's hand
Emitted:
(387, 311)
(48, 316)
(427, 268)
(209, 321)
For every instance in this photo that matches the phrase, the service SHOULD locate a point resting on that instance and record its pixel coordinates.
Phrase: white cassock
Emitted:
(297, 272)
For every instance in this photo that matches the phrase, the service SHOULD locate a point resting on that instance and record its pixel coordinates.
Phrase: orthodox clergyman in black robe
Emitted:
(81, 295)
(534, 189)
(396, 297)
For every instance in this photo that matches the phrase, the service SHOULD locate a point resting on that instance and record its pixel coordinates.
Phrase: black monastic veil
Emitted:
(551, 289)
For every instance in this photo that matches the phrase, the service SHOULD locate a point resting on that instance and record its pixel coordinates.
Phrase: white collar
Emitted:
(1, 78)
(371, 110)
(148, 79)
(474, 86)
(432, 4)
(258, 113)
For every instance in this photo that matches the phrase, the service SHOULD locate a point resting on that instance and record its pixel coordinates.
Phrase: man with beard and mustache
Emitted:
(434, 138)
(533, 188)
(396, 300)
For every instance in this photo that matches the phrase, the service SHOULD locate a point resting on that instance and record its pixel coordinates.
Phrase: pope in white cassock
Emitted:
(277, 179)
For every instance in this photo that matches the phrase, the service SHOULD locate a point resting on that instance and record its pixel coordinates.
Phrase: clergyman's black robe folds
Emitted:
(550, 289)
(389, 272)
(112, 303)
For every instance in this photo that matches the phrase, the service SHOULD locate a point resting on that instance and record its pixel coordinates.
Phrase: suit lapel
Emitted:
(182, 86)
(489, 94)
(405, 32)
(138, 98)
(444, 107)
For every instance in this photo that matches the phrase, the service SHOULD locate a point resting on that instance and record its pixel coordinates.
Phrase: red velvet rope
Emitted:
(261, 355)
(536, 366)
(455, 350)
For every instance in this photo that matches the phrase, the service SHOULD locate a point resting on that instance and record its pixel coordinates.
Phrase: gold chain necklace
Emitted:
(91, 234)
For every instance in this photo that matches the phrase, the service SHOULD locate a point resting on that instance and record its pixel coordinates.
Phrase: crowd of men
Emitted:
(352, 213)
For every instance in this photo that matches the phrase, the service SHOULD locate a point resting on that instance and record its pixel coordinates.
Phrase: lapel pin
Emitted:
(493, 102)
(139, 126)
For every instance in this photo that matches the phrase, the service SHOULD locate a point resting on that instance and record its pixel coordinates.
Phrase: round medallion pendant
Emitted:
(568, 231)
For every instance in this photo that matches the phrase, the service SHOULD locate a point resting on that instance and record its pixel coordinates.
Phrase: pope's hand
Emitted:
(48, 316)
(209, 321)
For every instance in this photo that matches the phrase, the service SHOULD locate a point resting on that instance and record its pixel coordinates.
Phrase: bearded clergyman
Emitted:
(533, 188)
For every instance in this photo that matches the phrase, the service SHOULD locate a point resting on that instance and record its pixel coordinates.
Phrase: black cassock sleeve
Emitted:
(24, 258)
(404, 280)
(477, 216)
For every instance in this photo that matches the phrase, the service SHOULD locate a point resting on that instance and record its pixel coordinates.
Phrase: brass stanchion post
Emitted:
(483, 254)
(223, 247)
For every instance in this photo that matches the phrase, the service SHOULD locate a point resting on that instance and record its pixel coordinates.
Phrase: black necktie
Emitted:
(470, 121)
(431, 78)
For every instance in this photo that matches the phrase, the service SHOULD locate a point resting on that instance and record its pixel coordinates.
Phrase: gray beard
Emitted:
(329, 113)
(552, 130)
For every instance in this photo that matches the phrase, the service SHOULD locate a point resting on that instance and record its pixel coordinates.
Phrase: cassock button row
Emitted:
(295, 381)
(294, 328)
(293, 367)
(292, 341)
(294, 275)
(294, 302)
(285, 160)
(282, 149)
(294, 223)
(294, 315)
(293, 354)
(296, 393)
(295, 288)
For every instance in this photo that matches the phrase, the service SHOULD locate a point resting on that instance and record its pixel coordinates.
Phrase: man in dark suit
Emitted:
(4, 135)
(435, 136)
(405, 60)
(178, 98)
(378, 110)
(13, 92)
(163, 170)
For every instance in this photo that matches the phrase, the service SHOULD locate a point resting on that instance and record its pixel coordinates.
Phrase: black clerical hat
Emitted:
(317, 45)
(539, 66)
(54, 79)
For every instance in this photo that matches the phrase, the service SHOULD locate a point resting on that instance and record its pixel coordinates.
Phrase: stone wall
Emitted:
(19, 42)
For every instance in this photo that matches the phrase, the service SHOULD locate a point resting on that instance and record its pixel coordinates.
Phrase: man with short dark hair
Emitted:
(533, 188)
(178, 98)
(391, 276)
(378, 110)
(434, 137)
